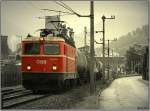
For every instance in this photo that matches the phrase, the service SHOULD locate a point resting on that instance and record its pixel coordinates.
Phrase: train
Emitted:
(52, 62)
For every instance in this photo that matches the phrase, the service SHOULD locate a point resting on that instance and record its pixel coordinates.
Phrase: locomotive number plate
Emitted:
(41, 61)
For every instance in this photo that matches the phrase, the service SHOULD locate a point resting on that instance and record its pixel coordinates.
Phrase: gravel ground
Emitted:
(76, 98)
(91, 101)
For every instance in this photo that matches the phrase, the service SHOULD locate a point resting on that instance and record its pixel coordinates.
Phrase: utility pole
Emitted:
(115, 39)
(108, 59)
(92, 84)
(85, 33)
(103, 18)
(91, 16)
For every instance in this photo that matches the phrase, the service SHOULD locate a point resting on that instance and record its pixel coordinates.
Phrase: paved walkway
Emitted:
(125, 93)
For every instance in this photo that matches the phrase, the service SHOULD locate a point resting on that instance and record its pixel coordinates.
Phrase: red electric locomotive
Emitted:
(47, 62)
(52, 61)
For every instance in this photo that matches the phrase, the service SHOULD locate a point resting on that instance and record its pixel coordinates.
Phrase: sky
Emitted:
(18, 18)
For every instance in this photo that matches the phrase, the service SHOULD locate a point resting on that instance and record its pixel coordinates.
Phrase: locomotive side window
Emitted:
(51, 49)
(32, 48)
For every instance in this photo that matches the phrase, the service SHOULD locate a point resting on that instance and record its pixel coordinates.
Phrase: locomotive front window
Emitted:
(32, 48)
(51, 49)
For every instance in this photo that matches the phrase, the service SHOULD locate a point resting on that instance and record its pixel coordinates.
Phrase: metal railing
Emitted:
(10, 75)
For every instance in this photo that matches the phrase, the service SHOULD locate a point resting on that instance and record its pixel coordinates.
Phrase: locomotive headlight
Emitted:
(41, 38)
(54, 68)
(28, 67)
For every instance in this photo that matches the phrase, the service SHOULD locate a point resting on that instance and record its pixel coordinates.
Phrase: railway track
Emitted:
(12, 98)
(11, 91)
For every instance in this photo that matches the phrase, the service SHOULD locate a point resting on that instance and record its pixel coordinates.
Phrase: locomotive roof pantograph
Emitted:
(54, 27)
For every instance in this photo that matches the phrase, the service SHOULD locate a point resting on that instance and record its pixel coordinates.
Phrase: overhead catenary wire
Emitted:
(56, 11)
(62, 5)
(59, 3)
(66, 7)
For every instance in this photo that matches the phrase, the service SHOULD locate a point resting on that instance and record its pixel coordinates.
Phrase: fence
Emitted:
(10, 75)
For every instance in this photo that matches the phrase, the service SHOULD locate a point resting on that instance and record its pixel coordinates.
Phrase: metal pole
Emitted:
(108, 59)
(85, 33)
(139, 66)
(59, 23)
(103, 18)
(92, 85)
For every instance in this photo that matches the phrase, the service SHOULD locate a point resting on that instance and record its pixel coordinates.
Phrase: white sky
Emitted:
(20, 17)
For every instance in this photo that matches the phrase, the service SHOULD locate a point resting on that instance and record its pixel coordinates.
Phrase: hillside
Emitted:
(138, 36)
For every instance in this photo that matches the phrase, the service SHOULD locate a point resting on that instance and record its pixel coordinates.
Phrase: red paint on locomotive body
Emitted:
(43, 64)
(50, 55)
